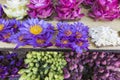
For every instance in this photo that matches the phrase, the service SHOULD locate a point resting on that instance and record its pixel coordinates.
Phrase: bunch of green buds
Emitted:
(43, 66)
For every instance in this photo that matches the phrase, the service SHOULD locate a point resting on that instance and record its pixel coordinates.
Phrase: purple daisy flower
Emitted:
(19, 39)
(62, 42)
(5, 31)
(80, 46)
(82, 31)
(42, 41)
(40, 32)
(1, 11)
(5, 37)
(65, 35)
(4, 26)
(66, 29)
(81, 42)
(73, 36)
(15, 24)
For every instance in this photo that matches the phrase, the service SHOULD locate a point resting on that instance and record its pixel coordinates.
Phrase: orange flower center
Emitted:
(36, 29)
(1, 27)
(6, 36)
(80, 43)
(15, 26)
(68, 33)
(40, 41)
(21, 38)
(79, 35)
(64, 41)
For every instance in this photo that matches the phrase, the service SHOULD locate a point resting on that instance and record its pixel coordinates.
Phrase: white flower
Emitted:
(104, 36)
(15, 8)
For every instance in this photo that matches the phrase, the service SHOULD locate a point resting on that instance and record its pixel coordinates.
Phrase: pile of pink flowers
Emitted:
(71, 9)
(105, 10)
(40, 8)
(68, 9)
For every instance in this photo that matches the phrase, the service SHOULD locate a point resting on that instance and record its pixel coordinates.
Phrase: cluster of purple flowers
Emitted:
(10, 64)
(30, 32)
(8, 28)
(92, 66)
(35, 32)
(39, 33)
(74, 36)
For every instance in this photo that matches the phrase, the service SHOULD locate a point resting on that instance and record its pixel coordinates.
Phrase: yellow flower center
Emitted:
(1, 27)
(40, 41)
(68, 33)
(64, 41)
(36, 29)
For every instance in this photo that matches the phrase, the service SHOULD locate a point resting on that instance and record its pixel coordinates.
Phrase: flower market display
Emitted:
(40, 8)
(104, 36)
(73, 36)
(60, 34)
(10, 64)
(43, 66)
(15, 25)
(15, 8)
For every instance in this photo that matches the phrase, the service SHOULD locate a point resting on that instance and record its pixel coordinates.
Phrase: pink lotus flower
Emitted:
(40, 8)
(70, 3)
(68, 10)
(88, 2)
(105, 10)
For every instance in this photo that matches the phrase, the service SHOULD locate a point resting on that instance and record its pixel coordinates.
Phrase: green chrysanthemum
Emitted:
(43, 66)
